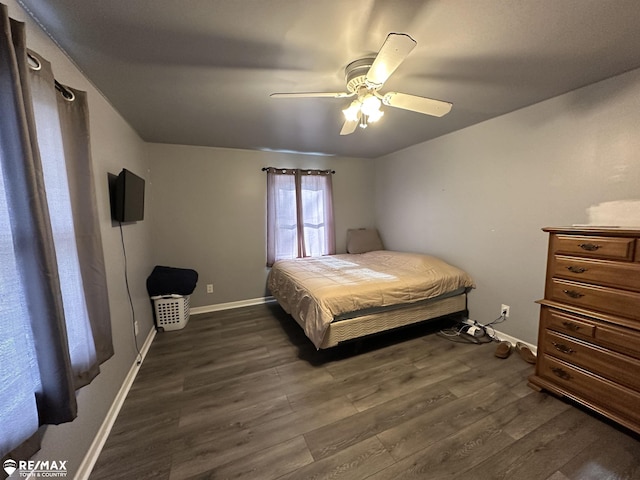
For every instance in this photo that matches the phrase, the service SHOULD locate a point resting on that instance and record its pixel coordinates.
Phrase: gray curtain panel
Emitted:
(33, 237)
(68, 342)
(74, 124)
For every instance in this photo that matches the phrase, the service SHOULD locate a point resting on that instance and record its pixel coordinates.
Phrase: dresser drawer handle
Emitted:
(559, 372)
(589, 247)
(575, 269)
(571, 326)
(573, 293)
(563, 348)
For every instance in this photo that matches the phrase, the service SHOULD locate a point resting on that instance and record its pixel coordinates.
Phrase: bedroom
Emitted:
(477, 197)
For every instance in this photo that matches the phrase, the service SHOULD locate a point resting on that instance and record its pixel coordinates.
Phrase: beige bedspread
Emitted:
(315, 290)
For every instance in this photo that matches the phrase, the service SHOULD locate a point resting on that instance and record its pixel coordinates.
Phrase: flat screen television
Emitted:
(128, 197)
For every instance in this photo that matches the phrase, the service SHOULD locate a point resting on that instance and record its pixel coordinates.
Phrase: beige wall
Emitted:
(211, 212)
(114, 146)
(480, 196)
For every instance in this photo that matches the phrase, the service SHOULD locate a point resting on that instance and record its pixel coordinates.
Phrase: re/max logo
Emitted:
(43, 465)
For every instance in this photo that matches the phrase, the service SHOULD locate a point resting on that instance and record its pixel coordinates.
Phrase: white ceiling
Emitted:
(199, 72)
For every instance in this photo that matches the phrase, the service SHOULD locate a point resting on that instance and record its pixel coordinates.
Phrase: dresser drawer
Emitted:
(603, 299)
(622, 339)
(614, 248)
(593, 330)
(562, 322)
(612, 274)
(604, 362)
(604, 393)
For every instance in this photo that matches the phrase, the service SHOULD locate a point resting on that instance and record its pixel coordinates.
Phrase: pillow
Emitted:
(362, 240)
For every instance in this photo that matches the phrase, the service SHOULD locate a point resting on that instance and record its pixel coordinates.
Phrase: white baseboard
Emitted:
(103, 433)
(228, 306)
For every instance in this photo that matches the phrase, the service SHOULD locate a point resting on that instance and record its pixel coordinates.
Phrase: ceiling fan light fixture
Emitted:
(352, 112)
(375, 116)
(364, 110)
(371, 105)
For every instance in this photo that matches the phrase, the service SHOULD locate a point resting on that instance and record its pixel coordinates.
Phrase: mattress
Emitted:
(316, 291)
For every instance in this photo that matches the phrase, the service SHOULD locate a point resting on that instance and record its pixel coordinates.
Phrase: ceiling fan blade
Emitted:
(428, 106)
(349, 127)
(312, 95)
(393, 52)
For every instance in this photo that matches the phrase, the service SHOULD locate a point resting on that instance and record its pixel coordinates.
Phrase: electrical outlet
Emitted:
(504, 310)
(210, 288)
(135, 328)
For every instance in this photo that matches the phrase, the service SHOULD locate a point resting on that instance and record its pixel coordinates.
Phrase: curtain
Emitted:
(55, 327)
(74, 122)
(282, 241)
(299, 214)
(316, 213)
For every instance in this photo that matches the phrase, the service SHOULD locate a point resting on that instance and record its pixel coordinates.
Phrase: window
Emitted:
(18, 410)
(299, 214)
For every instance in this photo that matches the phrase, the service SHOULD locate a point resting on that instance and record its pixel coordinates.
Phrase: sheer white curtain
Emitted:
(299, 214)
(317, 214)
(282, 221)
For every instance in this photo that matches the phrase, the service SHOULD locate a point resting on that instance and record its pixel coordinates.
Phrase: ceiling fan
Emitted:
(366, 76)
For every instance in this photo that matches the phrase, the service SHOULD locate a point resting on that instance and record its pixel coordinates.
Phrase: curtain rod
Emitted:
(264, 169)
(66, 93)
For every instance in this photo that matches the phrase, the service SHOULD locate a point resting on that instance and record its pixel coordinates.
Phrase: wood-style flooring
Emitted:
(242, 394)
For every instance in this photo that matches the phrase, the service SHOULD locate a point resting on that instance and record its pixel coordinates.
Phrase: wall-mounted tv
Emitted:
(128, 197)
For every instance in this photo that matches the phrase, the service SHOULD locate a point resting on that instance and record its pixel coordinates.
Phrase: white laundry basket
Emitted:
(172, 311)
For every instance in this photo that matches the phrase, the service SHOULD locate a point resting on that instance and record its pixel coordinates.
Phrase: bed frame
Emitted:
(390, 319)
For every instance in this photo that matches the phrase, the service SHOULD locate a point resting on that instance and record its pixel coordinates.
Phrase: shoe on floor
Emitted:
(503, 350)
(526, 353)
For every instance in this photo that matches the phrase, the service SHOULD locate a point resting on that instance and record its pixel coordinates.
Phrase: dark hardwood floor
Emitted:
(242, 394)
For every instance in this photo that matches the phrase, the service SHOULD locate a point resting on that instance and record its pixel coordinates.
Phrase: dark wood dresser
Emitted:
(589, 334)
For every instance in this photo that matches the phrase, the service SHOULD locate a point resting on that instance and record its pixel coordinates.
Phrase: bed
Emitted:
(337, 298)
